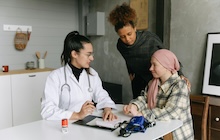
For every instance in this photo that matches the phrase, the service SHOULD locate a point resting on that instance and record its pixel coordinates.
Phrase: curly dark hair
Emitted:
(122, 15)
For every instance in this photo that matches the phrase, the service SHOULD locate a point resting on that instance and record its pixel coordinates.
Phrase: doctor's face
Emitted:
(83, 58)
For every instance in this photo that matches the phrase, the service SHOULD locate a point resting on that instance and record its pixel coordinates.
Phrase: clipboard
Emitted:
(90, 121)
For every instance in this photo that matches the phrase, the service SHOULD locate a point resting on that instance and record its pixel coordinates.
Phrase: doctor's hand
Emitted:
(131, 109)
(108, 115)
(87, 108)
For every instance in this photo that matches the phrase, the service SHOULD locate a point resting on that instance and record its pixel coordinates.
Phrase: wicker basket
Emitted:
(21, 40)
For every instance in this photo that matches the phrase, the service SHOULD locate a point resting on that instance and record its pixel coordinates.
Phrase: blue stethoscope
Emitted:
(69, 89)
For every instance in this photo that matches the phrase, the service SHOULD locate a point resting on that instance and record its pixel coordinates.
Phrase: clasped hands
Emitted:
(88, 108)
(131, 109)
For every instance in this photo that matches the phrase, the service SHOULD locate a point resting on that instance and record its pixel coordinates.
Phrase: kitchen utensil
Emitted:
(38, 55)
(45, 54)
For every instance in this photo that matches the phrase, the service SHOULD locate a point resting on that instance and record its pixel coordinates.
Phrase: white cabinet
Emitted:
(5, 102)
(27, 90)
(20, 96)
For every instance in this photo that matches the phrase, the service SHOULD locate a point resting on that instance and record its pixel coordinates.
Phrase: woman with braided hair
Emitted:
(136, 47)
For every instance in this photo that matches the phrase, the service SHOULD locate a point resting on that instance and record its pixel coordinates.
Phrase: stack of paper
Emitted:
(108, 124)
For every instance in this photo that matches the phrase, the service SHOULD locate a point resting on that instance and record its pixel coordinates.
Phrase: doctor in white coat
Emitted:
(70, 91)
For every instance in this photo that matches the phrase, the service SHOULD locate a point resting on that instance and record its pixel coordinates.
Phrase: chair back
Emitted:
(199, 111)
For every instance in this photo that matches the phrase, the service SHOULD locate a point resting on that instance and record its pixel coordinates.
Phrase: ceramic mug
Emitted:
(5, 68)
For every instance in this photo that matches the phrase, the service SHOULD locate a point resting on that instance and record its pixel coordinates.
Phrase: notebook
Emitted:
(98, 122)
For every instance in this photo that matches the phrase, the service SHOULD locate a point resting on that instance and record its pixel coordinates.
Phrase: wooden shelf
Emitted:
(21, 71)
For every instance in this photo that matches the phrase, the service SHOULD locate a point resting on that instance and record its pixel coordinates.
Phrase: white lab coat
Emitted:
(56, 105)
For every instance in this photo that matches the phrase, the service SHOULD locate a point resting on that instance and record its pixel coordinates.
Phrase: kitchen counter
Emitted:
(25, 71)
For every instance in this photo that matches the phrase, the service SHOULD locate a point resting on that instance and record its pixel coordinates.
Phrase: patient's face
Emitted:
(157, 69)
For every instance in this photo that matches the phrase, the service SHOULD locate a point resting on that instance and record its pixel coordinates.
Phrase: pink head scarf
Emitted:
(168, 60)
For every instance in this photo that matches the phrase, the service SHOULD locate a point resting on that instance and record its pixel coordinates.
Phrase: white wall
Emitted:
(51, 20)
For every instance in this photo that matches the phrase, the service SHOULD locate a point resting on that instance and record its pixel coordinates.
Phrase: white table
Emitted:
(51, 130)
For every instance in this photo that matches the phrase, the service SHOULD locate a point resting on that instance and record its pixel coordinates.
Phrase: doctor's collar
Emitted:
(76, 71)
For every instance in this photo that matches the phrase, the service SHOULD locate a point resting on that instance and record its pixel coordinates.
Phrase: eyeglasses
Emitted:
(88, 54)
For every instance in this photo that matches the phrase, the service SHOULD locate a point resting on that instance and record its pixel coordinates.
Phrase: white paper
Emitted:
(108, 124)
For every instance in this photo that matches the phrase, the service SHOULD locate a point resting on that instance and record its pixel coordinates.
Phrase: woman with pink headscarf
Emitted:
(166, 97)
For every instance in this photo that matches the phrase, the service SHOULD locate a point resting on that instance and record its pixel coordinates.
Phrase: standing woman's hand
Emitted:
(187, 82)
(131, 75)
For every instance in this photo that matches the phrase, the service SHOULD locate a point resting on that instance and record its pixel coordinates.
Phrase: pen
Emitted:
(94, 103)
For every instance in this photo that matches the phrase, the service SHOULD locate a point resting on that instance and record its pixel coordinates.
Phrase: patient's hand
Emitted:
(131, 109)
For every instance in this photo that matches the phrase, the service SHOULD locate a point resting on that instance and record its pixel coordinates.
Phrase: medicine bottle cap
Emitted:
(64, 122)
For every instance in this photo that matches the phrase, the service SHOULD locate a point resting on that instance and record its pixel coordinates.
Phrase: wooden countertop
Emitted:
(21, 71)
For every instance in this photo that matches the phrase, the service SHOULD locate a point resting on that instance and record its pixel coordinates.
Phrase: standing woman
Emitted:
(136, 47)
(70, 90)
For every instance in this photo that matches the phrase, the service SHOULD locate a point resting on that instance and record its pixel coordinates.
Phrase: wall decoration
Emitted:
(141, 8)
(211, 80)
(21, 39)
